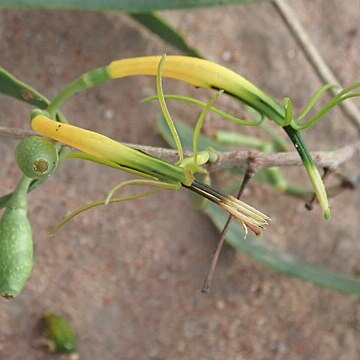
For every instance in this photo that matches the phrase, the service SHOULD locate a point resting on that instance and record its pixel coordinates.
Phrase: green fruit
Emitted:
(16, 252)
(16, 246)
(36, 156)
(61, 334)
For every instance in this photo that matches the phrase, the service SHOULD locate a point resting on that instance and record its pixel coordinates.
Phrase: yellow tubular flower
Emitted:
(108, 151)
(200, 73)
(103, 147)
(206, 74)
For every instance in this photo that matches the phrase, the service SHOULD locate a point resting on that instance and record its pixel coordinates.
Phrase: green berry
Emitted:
(36, 156)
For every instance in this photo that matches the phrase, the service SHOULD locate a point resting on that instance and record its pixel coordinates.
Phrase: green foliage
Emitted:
(165, 31)
(119, 5)
(256, 247)
(15, 230)
(141, 11)
(282, 262)
(13, 87)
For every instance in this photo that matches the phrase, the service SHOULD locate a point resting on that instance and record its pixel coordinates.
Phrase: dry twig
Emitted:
(238, 158)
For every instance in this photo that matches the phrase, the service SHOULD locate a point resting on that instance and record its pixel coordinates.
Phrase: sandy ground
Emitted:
(129, 276)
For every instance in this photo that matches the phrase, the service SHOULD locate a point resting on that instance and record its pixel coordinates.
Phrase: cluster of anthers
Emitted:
(249, 217)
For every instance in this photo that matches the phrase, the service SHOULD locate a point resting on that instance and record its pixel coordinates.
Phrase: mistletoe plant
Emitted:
(38, 157)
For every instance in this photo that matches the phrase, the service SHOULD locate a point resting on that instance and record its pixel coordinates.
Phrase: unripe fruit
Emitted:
(16, 252)
(16, 246)
(36, 156)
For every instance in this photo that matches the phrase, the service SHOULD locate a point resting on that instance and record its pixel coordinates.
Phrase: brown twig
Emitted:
(238, 158)
(14, 132)
(250, 172)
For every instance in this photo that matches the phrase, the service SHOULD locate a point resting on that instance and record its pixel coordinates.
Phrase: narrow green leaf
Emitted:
(165, 31)
(11, 86)
(285, 263)
(120, 5)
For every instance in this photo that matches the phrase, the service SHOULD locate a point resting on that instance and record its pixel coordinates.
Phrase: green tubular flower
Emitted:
(206, 74)
(200, 73)
(103, 147)
(109, 152)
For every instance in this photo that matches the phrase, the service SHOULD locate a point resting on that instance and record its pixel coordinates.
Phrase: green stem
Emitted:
(197, 102)
(200, 122)
(231, 138)
(297, 191)
(85, 81)
(165, 111)
(63, 151)
(18, 198)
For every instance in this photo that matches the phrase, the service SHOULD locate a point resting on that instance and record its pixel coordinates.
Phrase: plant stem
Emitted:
(18, 198)
(87, 80)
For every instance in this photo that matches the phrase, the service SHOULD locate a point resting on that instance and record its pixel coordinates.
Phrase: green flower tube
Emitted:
(103, 147)
(106, 151)
(205, 74)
